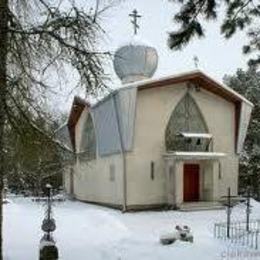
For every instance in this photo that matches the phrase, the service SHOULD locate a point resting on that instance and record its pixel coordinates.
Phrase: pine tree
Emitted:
(247, 83)
(32, 159)
(239, 15)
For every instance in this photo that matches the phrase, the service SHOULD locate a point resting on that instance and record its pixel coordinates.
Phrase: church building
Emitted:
(154, 143)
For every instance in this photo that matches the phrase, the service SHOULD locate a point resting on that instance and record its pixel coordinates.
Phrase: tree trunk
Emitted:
(3, 88)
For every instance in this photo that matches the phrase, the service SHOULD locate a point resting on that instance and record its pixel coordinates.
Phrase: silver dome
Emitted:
(135, 61)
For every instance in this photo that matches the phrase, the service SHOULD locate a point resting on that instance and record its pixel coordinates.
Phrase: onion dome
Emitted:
(135, 61)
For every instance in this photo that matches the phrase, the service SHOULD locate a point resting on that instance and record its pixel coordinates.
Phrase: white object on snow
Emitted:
(169, 238)
(180, 233)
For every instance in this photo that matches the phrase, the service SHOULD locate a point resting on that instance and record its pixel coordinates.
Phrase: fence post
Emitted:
(247, 209)
(256, 239)
(228, 212)
(238, 233)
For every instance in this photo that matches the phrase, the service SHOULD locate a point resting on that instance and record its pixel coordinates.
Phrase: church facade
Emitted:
(159, 142)
(156, 142)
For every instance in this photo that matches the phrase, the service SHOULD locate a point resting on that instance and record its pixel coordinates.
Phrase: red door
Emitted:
(191, 182)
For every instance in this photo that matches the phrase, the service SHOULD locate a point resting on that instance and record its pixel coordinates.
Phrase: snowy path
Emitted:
(91, 232)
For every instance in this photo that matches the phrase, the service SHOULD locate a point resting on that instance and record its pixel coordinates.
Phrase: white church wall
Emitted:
(98, 180)
(207, 173)
(229, 175)
(67, 179)
(246, 110)
(154, 108)
(220, 117)
(151, 120)
(207, 177)
(179, 181)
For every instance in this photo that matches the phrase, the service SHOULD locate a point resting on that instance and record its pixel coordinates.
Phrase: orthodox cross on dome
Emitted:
(196, 61)
(135, 16)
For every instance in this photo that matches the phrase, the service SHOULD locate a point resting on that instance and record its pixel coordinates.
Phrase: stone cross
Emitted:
(135, 16)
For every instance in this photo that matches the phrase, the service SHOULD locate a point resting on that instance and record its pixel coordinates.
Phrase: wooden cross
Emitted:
(135, 15)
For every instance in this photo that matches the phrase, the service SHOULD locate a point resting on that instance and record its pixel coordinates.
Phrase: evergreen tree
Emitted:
(239, 15)
(37, 38)
(247, 83)
(32, 159)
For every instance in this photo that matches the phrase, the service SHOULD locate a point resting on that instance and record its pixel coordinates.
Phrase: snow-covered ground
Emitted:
(87, 231)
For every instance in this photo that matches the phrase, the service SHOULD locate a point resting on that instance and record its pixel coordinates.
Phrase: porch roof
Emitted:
(196, 135)
(193, 155)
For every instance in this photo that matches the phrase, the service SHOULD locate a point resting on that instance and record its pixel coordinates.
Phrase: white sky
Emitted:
(217, 56)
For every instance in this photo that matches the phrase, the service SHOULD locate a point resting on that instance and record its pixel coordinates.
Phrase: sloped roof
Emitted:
(77, 108)
(197, 78)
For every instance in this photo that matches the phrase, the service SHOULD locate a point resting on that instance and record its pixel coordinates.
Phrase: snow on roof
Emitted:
(135, 40)
(187, 75)
(196, 135)
(195, 155)
(181, 77)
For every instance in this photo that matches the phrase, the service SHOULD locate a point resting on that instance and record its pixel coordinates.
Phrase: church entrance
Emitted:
(191, 182)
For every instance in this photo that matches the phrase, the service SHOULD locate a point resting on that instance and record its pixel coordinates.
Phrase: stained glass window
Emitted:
(88, 140)
(187, 118)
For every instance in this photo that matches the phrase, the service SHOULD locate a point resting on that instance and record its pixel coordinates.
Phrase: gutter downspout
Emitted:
(124, 209)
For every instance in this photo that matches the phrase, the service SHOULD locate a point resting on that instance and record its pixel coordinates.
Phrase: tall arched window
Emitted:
(88, 139)
(186, 118)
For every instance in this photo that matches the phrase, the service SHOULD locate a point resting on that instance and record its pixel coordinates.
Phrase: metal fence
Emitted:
(239, 233)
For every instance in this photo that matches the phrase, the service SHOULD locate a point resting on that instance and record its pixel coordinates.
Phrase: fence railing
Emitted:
(239, 233)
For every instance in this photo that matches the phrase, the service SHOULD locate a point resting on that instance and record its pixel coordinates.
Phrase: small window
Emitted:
(112, 172)
(152, 170)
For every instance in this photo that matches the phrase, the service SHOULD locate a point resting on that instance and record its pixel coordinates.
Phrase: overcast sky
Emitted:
(217, 56)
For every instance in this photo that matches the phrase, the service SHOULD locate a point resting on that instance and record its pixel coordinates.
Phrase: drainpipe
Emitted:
(124, 209)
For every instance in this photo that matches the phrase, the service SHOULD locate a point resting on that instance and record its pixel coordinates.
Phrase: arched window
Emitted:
(186, 118)
(88, 139)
